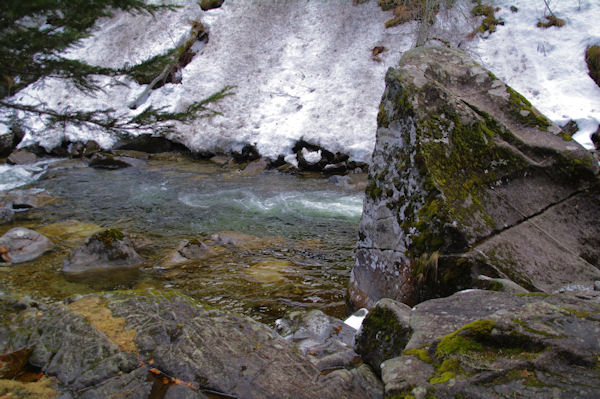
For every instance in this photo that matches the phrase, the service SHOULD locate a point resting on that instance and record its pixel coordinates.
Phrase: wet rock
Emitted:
(23, 245)
(6, 213)
(490, 344)
(27, 199)
(120, 343)
(596, 139)
(107, 161)
(384, 333)
(22, 157)
(468, 179)
(106, 249)
(328, 342)
(75, 150)
(6, 144)
(255, 167)
(189, 250)
(248, 153)
(570, 128)
(498, 284)
(210, 4)
(245, 241)
(220, 160)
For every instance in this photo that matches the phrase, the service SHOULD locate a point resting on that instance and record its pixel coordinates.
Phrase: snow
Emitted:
(355, 320)
(303, 70)
(548, 66)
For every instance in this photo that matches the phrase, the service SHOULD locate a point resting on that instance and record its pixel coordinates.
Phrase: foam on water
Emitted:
(313, 204)
(13, 176)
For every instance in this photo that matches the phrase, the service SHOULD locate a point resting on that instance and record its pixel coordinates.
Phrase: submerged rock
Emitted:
(133, 343)
(23, 245)
(189, 250)
(107, 161)
(106, 249)
(468, 179)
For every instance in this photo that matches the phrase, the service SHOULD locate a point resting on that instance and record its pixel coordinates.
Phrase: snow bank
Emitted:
(303, 70)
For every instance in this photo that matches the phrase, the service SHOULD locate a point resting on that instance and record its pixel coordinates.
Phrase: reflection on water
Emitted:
(298, 252)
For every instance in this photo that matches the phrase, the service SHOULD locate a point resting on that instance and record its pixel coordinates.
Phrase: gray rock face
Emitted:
(107, 249)
(24, 245)
(128, 343)
(468, 179)
(483, 344)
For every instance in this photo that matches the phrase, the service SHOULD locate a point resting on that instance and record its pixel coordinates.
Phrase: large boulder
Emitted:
(484, 344)
(131, 344)
(468, 179)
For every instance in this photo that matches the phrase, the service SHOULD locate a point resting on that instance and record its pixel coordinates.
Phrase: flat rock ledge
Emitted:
(469, 180)
(138, 343)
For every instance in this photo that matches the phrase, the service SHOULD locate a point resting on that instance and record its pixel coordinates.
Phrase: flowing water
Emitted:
(284, 242)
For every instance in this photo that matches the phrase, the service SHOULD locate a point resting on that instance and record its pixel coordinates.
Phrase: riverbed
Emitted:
(281, 242)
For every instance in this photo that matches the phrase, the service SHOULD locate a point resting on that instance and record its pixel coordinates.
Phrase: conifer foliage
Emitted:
(33, 36)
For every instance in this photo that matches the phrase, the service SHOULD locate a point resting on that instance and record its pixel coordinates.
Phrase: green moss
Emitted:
(538, 294)
(420, 353)
(489, 23)
(457, 170)
(578, 313)
(565, 136)
(445, 377)
(522, 110)
(465, 339)
(373, 191)
(382, 120)
(551, 20)
(109, 236)
(592, 59)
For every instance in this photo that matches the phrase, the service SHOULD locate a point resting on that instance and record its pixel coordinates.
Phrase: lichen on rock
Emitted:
(461, 161)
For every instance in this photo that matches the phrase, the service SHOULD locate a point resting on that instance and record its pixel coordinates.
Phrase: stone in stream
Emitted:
(469, 179)
(484, 344)
(132, 342)
(22, 157)
(22, 245)
(106, 249)
(189, 250)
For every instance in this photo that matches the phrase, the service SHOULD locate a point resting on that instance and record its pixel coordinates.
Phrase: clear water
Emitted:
(299, 256)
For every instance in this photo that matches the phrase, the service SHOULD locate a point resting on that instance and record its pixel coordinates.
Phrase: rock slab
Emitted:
(130, 342)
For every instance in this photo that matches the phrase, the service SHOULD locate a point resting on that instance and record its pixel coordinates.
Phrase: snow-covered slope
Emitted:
(548, 65)
(303, 69)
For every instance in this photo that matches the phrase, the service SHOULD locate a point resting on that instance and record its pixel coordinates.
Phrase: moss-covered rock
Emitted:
(384, 333)
(489, 344)
(463, 164)
(105, 249)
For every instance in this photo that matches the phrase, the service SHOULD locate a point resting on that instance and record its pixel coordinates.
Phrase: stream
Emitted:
(282, 242)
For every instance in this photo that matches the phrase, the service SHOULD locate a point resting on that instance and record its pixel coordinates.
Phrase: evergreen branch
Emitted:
(151, 120)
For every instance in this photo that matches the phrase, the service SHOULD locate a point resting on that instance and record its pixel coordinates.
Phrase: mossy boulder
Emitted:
(106, 249)
(384, 333)
(468, 179)
(138, 343)
(484, 344)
